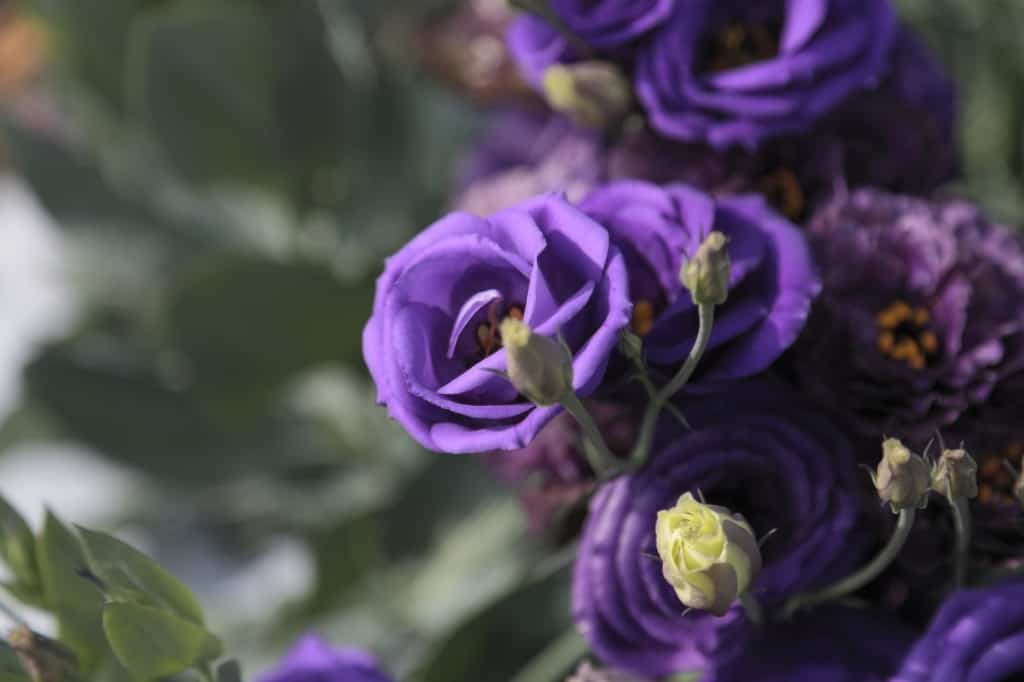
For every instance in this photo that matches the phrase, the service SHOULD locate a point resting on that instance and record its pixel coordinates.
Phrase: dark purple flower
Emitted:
(432, 345)
(737, 72)
(755, 451)
(831, 645)
(977, 636)
(601, 25)
(920, 316)
(313, 660)
(772, 279)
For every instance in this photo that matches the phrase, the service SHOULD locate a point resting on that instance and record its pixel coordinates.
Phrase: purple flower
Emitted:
(737, 72)
(772, 279)
(831, 645)
(602, 25)
(977, 636)
(754, 450)
(922, 313)
(432, 344)
(313, 660)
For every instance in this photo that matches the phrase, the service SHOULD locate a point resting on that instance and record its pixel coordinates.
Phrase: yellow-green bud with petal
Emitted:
(903, 478)
(708, 554)
(593, 93)
(955, 474)
(540, 368)
(706, 275)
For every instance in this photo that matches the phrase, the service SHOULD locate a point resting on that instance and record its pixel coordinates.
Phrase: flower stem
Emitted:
(962, 523)
(600, 457)
(755, 614)
(554, 662)
(854, 582)
(706, 321)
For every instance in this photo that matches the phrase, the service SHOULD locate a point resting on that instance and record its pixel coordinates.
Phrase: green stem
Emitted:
(755, 614)
(600, 457)
(554, 662)
(962, 523)
(855, 581)
(706, 321)
(543, 10)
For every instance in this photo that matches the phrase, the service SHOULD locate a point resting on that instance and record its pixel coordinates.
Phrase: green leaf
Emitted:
(18, 548)
(11, 669)
(229, 671)
(200, 76)
(74, 600)
(151, 643)
(120, 565)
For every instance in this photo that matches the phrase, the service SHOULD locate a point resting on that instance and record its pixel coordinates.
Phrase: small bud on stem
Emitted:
(595, 94)
(903, 478)
(540, 368)
(955, 476)
(706, 275)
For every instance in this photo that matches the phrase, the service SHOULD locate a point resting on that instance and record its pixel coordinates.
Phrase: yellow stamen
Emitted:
(642, 320)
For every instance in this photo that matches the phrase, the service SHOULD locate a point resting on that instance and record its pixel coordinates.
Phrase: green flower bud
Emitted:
(708, 554)
(706, 275)
(593, 93)
(539, 368)
(903, 478)
(955, 474)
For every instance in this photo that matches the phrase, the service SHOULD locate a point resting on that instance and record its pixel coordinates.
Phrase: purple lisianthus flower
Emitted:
(313, 660)
(737, 72)
(432, 343)
(772, 280)
(920, 316)
(977, 636)
(754, 450)
(603, 26)
(831, 645)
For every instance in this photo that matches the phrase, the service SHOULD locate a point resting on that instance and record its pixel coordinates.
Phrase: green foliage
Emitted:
(11, 669)
(18, 552)
(152, 643)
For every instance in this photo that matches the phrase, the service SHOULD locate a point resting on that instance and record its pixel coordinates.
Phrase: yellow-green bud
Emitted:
(706, 275)
(708, 554)
(955, 474)
(540, 368)
(903, 478)
(593, 93)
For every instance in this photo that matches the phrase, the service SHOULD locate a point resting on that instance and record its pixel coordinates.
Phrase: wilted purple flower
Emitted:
(313, 660)
(831, 644)
(754, 449)
(771, 286)
(977, 636)
(604, 26)
(739, 72)
(432, 343)
(922, 307)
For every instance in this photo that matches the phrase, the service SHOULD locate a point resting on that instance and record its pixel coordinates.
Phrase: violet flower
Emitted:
(313, 660)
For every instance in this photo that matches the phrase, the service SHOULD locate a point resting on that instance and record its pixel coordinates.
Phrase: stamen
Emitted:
(737, 45)
(642, 320)
(783, 191)
(488, 338)
(904, 334)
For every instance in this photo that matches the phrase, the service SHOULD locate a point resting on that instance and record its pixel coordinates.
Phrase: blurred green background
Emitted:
(219, 182)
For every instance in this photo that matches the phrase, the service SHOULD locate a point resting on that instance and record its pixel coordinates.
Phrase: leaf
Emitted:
(18, 548)
(151, 643)
(121, 565)
(75, 601)
(11, 669)
(229, 671)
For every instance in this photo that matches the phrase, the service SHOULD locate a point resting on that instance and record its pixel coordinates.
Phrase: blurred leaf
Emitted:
(229, 671)
(200, 76)
(246, 326)
(152, 643)
(122, 566)
(11, 669)
(482, 648)
(74, 600)
(18, 549)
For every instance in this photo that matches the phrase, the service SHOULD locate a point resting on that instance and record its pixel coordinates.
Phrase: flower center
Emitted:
(488, 337)
(995, 482)
(783, 191)
(737, 44)
(905, 334)
(642, 320)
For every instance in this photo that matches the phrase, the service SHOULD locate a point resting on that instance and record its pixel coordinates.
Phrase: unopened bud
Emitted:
(955, 474)
(593, 93)
(1018, 484)
(45, 659)
(903, 478)
(540, 368)
(706, 275)
(708, 554)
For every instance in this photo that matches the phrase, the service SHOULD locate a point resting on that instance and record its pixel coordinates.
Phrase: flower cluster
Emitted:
(680, 304)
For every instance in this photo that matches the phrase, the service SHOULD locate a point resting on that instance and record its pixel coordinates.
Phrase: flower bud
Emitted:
(706, 275)
(955, 474)
(594, 94)
(708, 554)
(1018, 484)
(903, 478)
(539, 368)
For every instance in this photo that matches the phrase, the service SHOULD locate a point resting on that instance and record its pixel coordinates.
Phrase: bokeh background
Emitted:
(195, 199)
